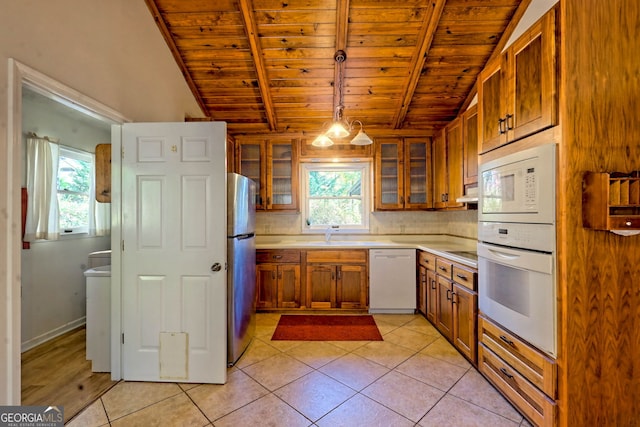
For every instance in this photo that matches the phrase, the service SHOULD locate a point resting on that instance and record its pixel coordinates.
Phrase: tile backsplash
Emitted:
(455, 223)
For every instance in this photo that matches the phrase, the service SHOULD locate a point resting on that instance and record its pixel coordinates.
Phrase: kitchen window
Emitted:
(336, 196)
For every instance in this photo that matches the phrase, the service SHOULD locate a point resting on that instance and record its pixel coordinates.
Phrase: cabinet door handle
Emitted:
(273, 275)
(339, 274)
(509, 121)
(279, 274)
(448, 294)
(461, 276)
(500, 126)
(402, 200)
(507, 340)
(433, 284)
(453, 299)
(268, 201)
(506, 374)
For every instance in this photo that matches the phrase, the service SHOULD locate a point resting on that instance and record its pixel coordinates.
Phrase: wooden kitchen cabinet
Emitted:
(517, 91)
(456, 305)
(470, 147)
(278, 279)
(337, 279)
(521, 373)
(426, 263)
(402, 174)
(448, 164)
(427, 285)
(273, 165)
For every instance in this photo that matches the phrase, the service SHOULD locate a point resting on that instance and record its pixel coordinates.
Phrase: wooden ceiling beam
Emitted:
(248, 17)
(427, 32)
(166, 34)
(342, 28)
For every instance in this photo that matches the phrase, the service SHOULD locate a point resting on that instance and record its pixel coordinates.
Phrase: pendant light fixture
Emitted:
(341, 127)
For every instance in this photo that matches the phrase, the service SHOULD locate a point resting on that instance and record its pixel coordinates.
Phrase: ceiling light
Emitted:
(322, 141)
(361, 138)
(341, 128)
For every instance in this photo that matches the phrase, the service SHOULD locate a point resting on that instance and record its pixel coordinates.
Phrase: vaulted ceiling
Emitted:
(268, 65)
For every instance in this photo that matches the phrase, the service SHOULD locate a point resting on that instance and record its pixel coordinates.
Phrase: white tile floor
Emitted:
(412, 378)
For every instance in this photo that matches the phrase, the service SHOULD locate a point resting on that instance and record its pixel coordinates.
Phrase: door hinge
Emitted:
(123, 338)
(123, 246)
(122, 153)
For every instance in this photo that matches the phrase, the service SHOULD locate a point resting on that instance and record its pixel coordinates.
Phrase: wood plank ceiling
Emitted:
(268, 65)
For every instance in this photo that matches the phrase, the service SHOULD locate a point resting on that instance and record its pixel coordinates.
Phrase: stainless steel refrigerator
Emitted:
(241, 260)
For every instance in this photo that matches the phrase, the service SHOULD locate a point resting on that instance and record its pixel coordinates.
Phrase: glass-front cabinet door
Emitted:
(282, 174)
(273, 165)
(388, 175)
(250, 163)
(417, 173)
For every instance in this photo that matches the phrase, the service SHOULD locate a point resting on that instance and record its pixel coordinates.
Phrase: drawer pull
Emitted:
(461, 276)
(277, 256)
(443, 268)
(506, 374)
(507, 340)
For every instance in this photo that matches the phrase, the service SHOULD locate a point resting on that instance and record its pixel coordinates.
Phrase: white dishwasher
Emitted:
(392, 280)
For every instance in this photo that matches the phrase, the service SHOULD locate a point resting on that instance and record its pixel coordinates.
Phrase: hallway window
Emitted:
(75, 180)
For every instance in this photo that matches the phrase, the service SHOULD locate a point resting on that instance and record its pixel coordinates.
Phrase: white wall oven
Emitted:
(517, 245)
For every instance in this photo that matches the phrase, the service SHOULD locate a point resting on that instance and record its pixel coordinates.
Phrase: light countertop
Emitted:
(441, 245)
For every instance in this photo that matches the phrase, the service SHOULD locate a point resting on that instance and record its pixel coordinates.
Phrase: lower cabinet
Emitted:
(521, 373)
(452, 304)
(278, 279)
(337, 279)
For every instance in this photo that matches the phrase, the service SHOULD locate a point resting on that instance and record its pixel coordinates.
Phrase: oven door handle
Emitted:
(503, 255)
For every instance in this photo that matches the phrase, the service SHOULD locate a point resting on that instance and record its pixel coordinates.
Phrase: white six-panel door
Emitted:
(174, 232)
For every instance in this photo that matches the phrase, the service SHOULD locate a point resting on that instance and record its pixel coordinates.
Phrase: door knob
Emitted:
(216, 267)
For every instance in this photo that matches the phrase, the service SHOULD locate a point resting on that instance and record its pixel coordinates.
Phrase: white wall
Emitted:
(110, 51)
(53, 285)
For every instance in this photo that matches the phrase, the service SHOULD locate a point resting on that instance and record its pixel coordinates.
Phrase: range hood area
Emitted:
(471, 196)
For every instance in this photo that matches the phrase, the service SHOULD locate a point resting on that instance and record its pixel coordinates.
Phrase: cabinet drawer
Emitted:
(532, 402)
(427, 260)
(277, 255)
(465, 277)
(444, 267)
(529, 362)
(355, 256)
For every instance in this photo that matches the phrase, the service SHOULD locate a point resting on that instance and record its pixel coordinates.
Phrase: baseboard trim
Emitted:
(40, 339)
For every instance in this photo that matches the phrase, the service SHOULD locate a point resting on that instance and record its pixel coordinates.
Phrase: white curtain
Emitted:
(42, 208)
(100, 221)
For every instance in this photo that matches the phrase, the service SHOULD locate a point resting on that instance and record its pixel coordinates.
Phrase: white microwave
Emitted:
(519, 187)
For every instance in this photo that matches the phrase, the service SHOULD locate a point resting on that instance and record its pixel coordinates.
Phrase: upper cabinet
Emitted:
(273, 165)
(448, 166)
(517, 92)
(470, 146)
(402, 173)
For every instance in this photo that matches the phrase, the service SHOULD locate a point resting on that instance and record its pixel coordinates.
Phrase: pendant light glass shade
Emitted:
(337, 130)
(361, 138)
(322, 141)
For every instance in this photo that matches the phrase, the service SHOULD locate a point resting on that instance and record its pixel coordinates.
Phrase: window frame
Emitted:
(81, 155)
(364, 167)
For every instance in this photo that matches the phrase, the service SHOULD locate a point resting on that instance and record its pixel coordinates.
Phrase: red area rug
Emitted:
(323, 327)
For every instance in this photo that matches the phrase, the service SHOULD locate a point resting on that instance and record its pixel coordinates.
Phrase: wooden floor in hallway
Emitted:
(57, 373)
